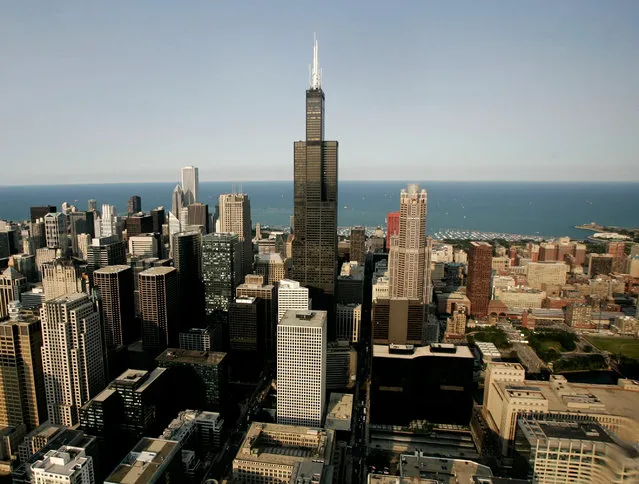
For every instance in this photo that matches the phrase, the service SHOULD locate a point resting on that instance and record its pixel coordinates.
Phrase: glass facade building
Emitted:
(221, 270)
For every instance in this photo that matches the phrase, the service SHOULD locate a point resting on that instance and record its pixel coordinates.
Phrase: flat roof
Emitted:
(191, 356)
(441, 470)
(146, 461)
(383, 351)
(157, 271)
(339, 411)
(306, 318)
(112, 269)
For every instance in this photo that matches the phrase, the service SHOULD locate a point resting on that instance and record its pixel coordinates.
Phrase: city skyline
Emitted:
(490, 93)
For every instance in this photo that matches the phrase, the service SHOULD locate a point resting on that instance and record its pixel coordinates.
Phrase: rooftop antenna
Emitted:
(316, 74)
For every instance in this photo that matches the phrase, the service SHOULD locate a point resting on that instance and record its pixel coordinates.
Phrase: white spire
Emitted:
(316, 81)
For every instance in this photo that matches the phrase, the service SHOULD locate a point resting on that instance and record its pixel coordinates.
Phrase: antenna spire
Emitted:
(316, 74)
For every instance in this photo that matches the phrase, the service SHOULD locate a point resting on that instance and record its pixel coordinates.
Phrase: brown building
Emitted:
(118, 312)
(392, 227)
(580, 316)
(22, 397)
(480, 257)
(159, 307)
(398, 321)
(358, 245)
(599, 264)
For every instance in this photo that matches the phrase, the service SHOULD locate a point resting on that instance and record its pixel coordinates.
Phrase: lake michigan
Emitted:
(534, 208)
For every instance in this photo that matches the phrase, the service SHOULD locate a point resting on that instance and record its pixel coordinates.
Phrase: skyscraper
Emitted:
(40, 212)
(407, 257)
(358, 245)
(392, 227)
(134, 205)
(12, 284)
(72, 358)
(291, 295)
(198, 214)
(55, 229)
(190, 184)
(118, 313)
(177, 201)
(158, 288)
(221, 271)
(480, 258)
(301, 368)
(315, 198)
(235, 217)
(187, 257)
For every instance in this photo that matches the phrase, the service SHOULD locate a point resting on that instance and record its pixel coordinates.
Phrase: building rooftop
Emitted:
(306, 318)
(339, 412)
(146, 461)
(112, 269)
(270, 257)
(65, 461)
(410, 352)
(191, 356)
(68, 298)
(157, 271)
(268, 443)
(441, 470)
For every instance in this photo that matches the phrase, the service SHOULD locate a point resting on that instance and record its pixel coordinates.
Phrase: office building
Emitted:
(520, 297)
(398, 321)
(392, 227)
(407, 255)
(567, 449)
(138, 223)
(221, 271)
(158, 215)
(80, 223)
(134, 205)
(105, 251)
(358, 245)
(456, 323)
(480, 271)
(109, 224)
(198, 215)
(291, 295)
(190, 184)
(25, 265)
(203, 374)
(507, 395)
(118, 312)
(600, 264)
(349, 287)
(158, 299)
(315, 199)
(55, 230)
(272, 267)
(39, 212)
(301, 368)
(349, 319)
(61, 277)
(274, 453)
(235, 217)
(83, 242)
(144, 245)
(247, 331)
(580, 316)
(542, 274)
(254, 286)
(72, 358)
(187, 258)
(433, 383)
(66, 465)
(196, 339)
(150, 461)
(177, 201)
(12, 285)
(22, 398)
(341, 365)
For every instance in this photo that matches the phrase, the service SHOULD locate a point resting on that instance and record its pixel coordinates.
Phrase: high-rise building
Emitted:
(187, 258)
(315, 199)
(221, 270)
(198, 214)
(272, 267)
(177, 201)
(118, 313)
(66, 465)
(407, 256)
(235, 217)
(61, 277)
(110, 224)
(134, 205)
(92, 205)
(349, 318)
(196, 339)
(105, 251)
(72, 358)
(392, 227)
(39, 212)
(247, 331)
(12, 284)
(158, 289)
(190, 184)
(358, 245)
(22, 399)
(539, 274)
(80, 223)
(291, 295)
(145, 245)
(158, 215)
(55, 229)
(138, 223)
(301, 368)
(480, 257)
(254, 286)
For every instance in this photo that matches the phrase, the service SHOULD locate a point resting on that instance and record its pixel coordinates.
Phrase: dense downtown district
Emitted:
(188, 344)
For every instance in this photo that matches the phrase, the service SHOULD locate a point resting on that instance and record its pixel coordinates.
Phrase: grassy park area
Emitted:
(628, 347)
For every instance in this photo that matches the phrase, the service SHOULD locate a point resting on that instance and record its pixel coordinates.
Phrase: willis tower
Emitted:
(315, 200)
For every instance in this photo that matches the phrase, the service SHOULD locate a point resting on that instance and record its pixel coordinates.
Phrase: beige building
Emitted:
(274, 454)
(235, 217)
(60, 278)
(349, 318)
(501, 264)
(625, 325)
(456, 324)
(520, 297)
(272, 267)
(579, 316)
(12, 284)
(538, 273)
(507, 395)
(67, 465)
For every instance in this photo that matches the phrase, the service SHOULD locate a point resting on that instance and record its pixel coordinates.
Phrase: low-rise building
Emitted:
(150, 460)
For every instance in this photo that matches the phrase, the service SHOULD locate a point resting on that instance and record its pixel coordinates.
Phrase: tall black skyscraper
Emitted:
(315, 199)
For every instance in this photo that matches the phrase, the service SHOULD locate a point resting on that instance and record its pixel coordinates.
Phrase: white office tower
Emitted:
(66, 465)
(301, 368)
(235, 217)
(145, 245)
(290, 295)
(72, 357)
(108, 221)
(55, 231)
(190, 184)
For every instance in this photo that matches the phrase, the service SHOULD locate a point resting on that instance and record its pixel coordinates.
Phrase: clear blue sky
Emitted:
(125, 90)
